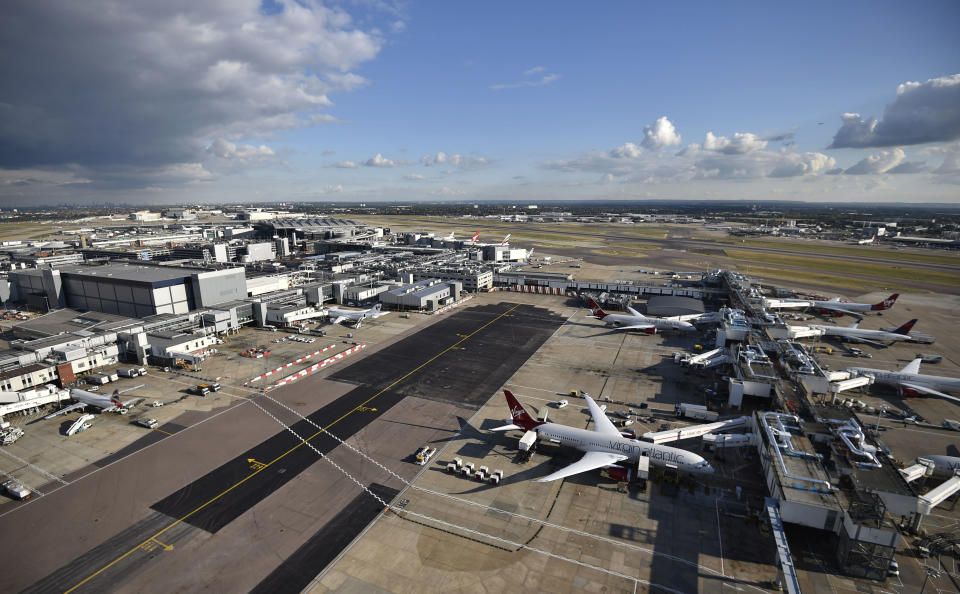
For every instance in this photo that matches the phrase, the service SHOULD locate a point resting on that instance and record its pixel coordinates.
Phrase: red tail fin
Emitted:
(906, 328)
(886, 303)
(519, 414)
(596, 311)
(114, 398)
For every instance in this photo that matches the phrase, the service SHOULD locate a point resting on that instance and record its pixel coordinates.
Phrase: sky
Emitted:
(143, 102)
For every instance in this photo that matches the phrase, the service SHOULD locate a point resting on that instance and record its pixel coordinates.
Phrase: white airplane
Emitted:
(853, 333)
(110, 403)
(448, 237)
(638, 321)
(604, 446)
(910, 381)
(356, 317)
(506, 240)
(835, 304)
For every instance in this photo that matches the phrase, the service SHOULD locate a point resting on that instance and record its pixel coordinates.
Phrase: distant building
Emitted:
(144, 215)
(179, 213)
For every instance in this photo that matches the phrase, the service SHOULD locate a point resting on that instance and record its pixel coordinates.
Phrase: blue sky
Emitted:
(536, 100)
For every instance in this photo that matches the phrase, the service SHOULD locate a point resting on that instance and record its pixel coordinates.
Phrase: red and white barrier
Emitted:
(315, 367)
(536, 289)
(290, 364)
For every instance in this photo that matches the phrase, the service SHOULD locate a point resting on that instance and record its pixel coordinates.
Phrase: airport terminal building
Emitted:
(134, 290)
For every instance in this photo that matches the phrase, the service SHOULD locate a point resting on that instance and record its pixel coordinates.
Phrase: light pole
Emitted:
(880, 412)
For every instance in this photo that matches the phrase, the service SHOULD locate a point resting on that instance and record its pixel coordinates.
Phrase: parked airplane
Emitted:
(603, 446)
(835, 304)
(853, 333)
(354, 316)
(448, 237)
(506, 240)
(110, 403)
(910, 381)
(944, 466)
(475, 237)
(638, 321)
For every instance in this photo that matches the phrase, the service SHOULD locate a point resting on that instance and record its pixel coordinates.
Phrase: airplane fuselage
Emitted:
(659, 324)
(586, 440)
(860, 333)
(896, 378)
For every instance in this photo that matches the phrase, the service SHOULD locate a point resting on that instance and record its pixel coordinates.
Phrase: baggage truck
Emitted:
(696, 411)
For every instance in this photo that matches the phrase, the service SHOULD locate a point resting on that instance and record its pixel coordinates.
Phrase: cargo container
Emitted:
(528, 441)
(696, 411)
(97, 379)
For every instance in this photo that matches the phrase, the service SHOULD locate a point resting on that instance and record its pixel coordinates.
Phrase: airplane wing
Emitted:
(131, 402)
(65, 410)
(634, 312)
(873, 342)
(339, 319)
(601, 423)
(636, 327)
(930, 392)
(131, 389)
(590, 461)
(912, 367)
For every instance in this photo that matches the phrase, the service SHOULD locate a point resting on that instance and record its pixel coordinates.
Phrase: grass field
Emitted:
(840, 282)
(904, 273)
(618, 253)
(837, 250)
(14, 231)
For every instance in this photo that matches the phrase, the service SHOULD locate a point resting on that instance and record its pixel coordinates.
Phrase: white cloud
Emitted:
(626, 151)
(415, 176)
(454, 160)
(742, 142)
(225, 149)
(661, 134)
(920, 113)
(345, 164)
(534, 70)
(878, 163)
(379, 160)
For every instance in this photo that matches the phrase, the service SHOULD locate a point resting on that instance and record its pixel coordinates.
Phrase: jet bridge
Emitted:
(787, 577)
(926, 503)
(695, 430)
(705, 360)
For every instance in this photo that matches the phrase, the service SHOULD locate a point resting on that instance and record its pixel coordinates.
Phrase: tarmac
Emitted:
(179, 513)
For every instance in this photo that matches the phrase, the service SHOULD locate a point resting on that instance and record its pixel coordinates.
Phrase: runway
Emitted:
(453, 365)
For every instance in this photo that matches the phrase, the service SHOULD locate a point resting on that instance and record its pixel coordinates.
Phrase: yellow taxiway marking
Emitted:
(153, 543)
(255, 465)
(366, 409)
(162, 431)
(285, 454)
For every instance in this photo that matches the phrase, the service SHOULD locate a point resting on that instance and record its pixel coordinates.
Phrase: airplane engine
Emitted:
(908, 393)
(651, 330)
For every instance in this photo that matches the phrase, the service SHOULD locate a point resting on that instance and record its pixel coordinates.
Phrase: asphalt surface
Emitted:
(459, 361)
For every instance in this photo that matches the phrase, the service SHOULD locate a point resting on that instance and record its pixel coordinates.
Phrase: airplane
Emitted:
(638, 321)
(910, 381)
(835, 304)
(853, 333)
(110, 403)
(448, 237)
(354, 316)
(475, 237)
(506, 240)
(603, 447)
(944, 467)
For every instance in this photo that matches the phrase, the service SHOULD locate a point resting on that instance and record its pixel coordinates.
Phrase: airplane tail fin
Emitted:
(886, 303)
(520, 416)
(475, 237)
(115, 398)
(596, 311)
(906, 328)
